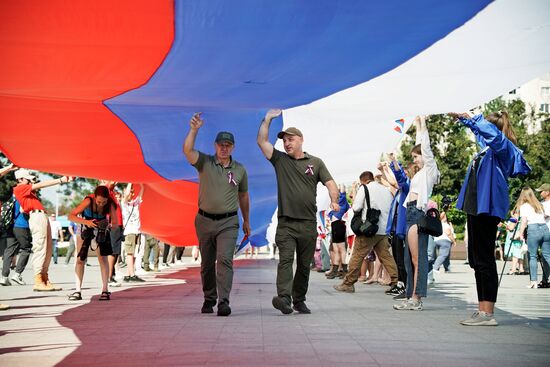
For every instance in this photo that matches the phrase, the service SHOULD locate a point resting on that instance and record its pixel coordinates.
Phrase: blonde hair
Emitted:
(411, 170)
(528, 196)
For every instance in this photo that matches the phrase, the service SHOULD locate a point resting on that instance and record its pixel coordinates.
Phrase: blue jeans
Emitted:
(431, 253)
(413, 215)
(537, 236)
(444, 251)
(54, 244)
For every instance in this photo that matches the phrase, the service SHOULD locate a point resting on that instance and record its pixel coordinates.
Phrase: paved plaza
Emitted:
(158, 323)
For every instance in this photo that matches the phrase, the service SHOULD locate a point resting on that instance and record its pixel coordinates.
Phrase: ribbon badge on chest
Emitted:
(309, 170)
(231, 179)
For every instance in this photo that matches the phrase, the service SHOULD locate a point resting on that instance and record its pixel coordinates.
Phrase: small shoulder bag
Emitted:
(430, 224)
(369, 226)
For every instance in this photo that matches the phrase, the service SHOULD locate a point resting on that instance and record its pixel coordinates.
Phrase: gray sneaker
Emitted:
(4, 281)
(410, 304)
(17, 278)
(480, 318)
(344, 288)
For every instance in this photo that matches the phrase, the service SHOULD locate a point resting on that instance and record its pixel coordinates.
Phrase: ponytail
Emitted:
(501, 120)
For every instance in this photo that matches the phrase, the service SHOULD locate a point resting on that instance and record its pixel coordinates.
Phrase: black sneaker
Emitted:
(224, 309)
(208, 307)
(301, 307)
(126, 279)
(282, 305)
(136, 279)
(402, 295)
(395, 290)
(543, 284)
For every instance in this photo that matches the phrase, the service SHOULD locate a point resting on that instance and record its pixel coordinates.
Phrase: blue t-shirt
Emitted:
(20, 219)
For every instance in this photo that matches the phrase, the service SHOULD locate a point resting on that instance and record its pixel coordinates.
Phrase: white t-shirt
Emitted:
(380, 198)
(546, 206)
(444, 237)
(56, 227)
(130, 216)
(526, 211)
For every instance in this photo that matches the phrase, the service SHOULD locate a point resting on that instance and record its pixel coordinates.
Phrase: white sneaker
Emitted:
(410, 304)
(17, 278)
(4, 281)
(114, 283)
(480, 318)
(141, 272)
(179, 262)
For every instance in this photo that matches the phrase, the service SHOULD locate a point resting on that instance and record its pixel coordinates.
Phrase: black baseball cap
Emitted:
(225, 136)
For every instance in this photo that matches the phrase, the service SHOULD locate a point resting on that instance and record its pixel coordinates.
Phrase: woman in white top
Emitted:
(416, 202)
(531, 212)
(444, 242)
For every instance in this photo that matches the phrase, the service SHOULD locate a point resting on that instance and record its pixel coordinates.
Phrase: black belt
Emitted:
(216, 216)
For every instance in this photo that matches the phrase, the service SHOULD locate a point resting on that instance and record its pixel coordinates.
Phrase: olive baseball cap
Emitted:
(290, 131)
(225, 136)
(544, 187)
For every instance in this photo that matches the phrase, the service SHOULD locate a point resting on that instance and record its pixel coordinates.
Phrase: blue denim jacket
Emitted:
(398, 200)
(502, 159)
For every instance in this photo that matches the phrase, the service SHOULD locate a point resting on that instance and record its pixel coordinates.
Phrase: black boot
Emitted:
(333, 272)
(342, 273)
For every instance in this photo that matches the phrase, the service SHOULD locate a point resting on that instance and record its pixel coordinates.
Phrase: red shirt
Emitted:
(118, 210)
(27, 198)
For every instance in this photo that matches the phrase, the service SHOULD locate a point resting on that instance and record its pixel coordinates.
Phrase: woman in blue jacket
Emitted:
(484, 198)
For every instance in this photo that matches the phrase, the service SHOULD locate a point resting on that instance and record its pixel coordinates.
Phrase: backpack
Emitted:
(7, 217)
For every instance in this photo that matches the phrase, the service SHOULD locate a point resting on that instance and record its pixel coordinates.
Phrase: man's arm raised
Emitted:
(189, 145)
(263, 134)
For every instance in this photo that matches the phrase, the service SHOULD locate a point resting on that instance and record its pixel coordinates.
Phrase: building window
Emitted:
(545, 91)
(544, 107)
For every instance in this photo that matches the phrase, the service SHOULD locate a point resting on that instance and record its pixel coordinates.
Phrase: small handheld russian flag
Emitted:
(245, 242)
(400, 125)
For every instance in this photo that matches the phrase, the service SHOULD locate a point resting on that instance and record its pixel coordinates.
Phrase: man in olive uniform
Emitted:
(223, 188)
(297, 176)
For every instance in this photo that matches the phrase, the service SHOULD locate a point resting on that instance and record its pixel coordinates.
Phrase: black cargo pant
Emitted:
(298, 237)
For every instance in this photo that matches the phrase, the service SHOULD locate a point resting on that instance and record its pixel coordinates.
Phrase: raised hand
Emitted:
(273, 113)
(196, 121)
(456, 115)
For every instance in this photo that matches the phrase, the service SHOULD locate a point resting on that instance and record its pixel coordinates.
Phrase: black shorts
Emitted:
(338, 231)
(105, 248)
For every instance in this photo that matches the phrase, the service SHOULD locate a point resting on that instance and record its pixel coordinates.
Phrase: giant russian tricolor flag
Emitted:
(105, 89)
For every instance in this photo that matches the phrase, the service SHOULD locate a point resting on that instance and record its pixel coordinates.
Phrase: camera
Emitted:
(87, 233)
(101, 234)
(446, 202)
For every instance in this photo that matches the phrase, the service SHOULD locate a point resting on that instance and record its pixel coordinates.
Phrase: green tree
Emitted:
(7, 182)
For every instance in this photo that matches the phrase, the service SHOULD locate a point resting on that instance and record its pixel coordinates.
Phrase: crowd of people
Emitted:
(101, 223)
(392, 233)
